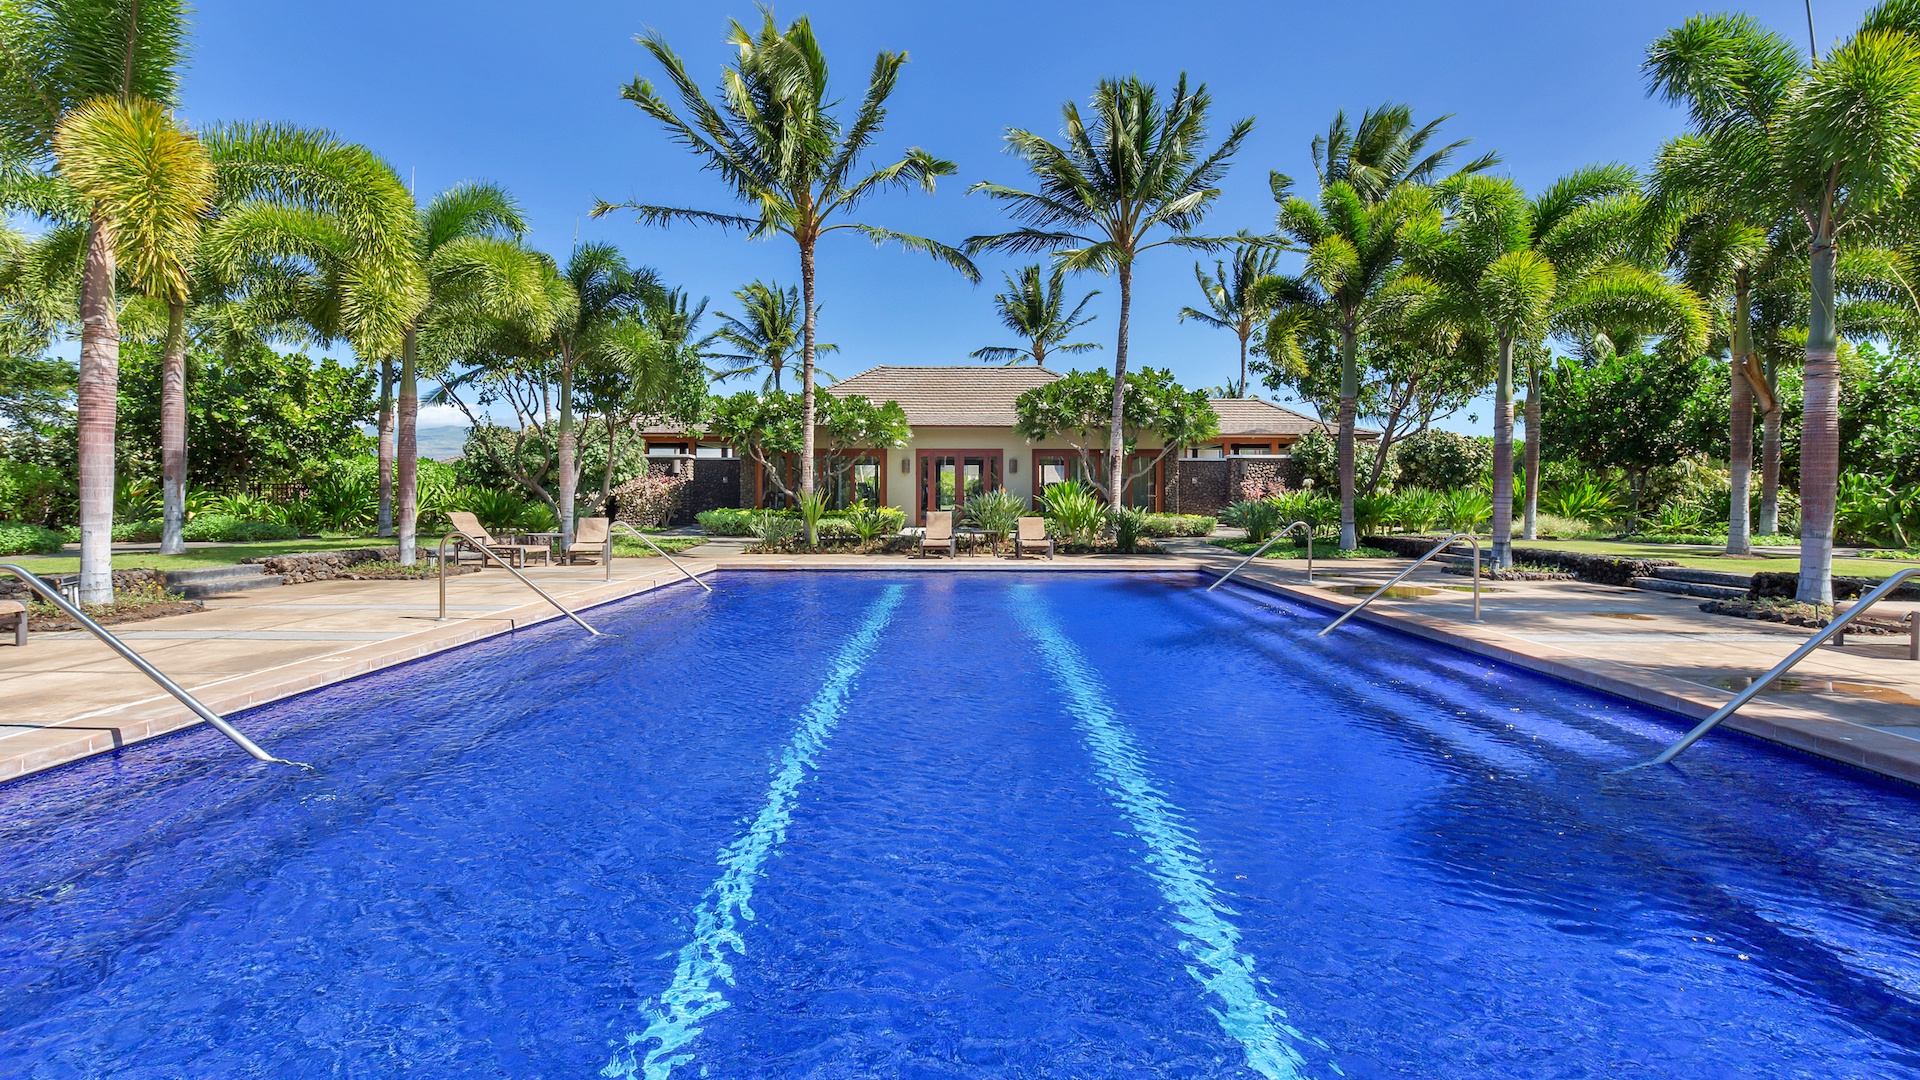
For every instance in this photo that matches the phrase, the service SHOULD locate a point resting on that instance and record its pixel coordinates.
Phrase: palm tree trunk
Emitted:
(1243, 366)
(386, 446)
(1116, 430)
(173, 432)
(1819, 434)
(1503, 458)
(98, 404)
(806, 373)
(1529, 532)
(1740, 430)
(1349, 406)
(1770, 471)
(407, 452)
(568, 481)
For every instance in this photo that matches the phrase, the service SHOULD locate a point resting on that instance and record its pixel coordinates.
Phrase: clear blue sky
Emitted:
(528, 95)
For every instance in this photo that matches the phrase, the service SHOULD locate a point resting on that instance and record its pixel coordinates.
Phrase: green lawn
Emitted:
(199, 558)
(625, 547)
(1762, 558)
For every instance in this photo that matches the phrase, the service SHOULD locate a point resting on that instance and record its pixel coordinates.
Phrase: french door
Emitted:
(950, 477)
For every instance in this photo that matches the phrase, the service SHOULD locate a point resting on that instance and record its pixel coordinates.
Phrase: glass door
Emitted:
(948, 478)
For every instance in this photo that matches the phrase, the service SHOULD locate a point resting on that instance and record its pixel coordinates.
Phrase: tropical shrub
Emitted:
(812, 508)
(21, 538)
(343, 500)
(726, 522)
(777, 531)
(1677, 517)
(221, 528)
(498, 511)
(1443, 460)
(1416, 509)
(1077, 511)
(1584, 499)
(1565, 528)
(1370, 512)
(1318, 509)
(28, 491)
(1258, 517)
(1165, 525)
(1464, 509)
(1128, 526)
(242, 506)
(1870, 510)
(997, 512)
(1317, 456)
(124, 532)
(869, 523)
(648, 501)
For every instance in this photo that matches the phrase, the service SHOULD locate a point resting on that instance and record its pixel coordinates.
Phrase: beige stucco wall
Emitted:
(1017, 476)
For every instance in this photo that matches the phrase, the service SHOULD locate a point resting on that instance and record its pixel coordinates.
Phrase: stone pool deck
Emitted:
(67, 697)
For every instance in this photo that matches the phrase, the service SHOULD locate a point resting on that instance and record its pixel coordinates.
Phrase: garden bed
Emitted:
(1794, 613)
(1598, 569)
(136, 603)
(1517, 572)
(301, 567)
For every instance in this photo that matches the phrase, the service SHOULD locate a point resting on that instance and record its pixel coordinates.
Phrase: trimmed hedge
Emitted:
(20, 538)
(1598, 569)
(1161, 526)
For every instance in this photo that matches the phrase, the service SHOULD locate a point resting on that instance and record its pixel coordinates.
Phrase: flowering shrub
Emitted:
(648, 502)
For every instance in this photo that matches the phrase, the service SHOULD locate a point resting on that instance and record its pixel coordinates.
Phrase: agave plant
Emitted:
(1078, 512)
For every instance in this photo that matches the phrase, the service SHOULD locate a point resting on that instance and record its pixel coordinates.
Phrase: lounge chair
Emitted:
(939, 534)
(15, 612)
(1033, 534)
(590, 540)
(516, 554)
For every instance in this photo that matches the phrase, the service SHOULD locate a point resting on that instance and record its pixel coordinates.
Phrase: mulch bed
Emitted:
(1793, 614)
(59, 620)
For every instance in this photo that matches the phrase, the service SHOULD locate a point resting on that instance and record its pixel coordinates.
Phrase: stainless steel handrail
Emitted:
(643, 537)
(53, 597)
(485, 554)
(1395, 580)
(1263, 547)
(1836, 626)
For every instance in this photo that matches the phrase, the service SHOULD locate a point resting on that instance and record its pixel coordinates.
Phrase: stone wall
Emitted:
(1197, 486)
(1775, 584)
(712, 484)
(12, 588)
(321, 565)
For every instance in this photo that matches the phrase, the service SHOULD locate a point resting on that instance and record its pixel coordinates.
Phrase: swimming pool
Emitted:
(958, 825)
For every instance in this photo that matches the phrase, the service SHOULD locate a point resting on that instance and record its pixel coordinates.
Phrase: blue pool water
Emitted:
(958, 825)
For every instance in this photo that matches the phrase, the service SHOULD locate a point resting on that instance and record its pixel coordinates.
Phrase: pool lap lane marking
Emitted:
(1174, 860)
(675, 1020)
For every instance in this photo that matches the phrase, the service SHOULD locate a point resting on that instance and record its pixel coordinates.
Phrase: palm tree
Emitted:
(1133, 171)
(608, 296)
(1520, 271)
(54, 59)
(766, 335)
(775, 141)
(1386, 152)
(1036, 310)
(1831, 143)
(478, 276)
(1233, 300)
(1355, 251)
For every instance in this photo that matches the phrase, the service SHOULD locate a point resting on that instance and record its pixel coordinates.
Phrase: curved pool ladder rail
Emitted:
(52, 595)
(1221, 580)
(455, 536)
(644, 538)
(1395, 580)
(1837, 626)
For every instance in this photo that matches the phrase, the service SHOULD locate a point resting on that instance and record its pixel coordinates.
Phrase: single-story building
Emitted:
(963, 439)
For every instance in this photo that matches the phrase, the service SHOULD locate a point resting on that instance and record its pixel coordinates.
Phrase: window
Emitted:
(947, 475)
(857, 481)
(720, 450)
(1208, 452)
(1253, 448)
(665, 449)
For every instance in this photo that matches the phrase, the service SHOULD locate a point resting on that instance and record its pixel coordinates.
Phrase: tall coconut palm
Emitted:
(767, 335)
(1134, 171)
(56, 58)
(1523, 270)
(467, 249)
(774, 140)
(1355, 252)
(1233, 300)
(1386, 151)
(1036, 310)
(1832, 143)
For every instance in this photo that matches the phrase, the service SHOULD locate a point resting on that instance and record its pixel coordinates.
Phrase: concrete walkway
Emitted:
(68, 697)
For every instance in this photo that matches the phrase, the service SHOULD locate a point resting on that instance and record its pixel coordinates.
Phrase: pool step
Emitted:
(220, 580)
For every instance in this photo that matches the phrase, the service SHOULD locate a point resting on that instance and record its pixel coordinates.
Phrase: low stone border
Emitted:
(1598, 569)
(1782, 585)
(306, 566)
(11, 588)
